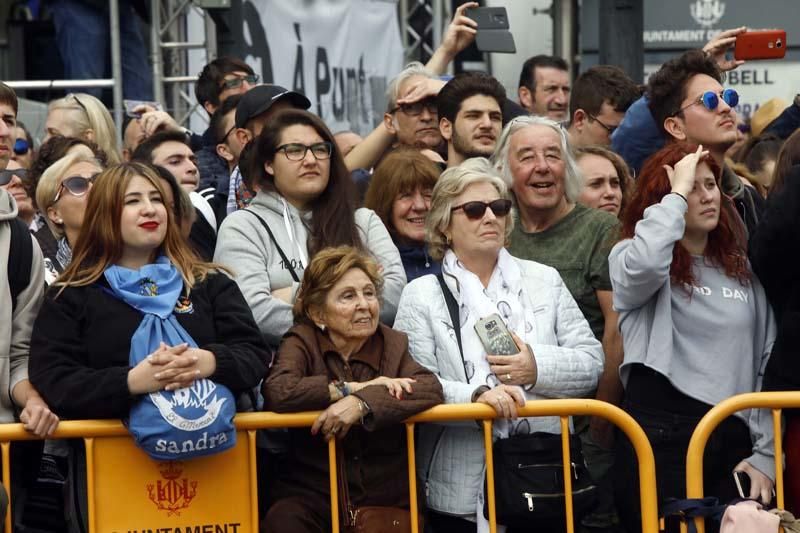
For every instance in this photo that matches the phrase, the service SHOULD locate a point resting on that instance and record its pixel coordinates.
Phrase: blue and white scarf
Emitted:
(180, 424)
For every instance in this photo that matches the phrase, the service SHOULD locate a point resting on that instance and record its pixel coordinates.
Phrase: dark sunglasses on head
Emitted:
(235, 83)
(75, 185)
(475, 210)
(21, 147)
(7, 175)
(416, 108)
(710, 99)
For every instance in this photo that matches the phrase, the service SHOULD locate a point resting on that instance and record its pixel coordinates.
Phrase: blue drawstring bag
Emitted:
(170, 425)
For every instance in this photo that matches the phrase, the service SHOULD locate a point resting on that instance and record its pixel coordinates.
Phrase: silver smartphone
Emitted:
(495, 337)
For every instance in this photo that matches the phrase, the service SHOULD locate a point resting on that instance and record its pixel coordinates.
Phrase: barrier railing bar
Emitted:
(412, 477)
(566, 461)
(6, 447)
(252, 421)
(776, 430)
(251, 452)
(721, 411)
(490, 494)
(59, 84)
(90, 488)
(334, 486)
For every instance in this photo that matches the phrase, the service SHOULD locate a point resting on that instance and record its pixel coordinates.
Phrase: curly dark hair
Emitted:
(666, 89)
(463, 86)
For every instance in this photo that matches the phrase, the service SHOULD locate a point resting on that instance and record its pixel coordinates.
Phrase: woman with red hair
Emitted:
(697, 329)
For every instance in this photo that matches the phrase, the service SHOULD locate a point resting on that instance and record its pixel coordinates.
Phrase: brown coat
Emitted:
(306, 363)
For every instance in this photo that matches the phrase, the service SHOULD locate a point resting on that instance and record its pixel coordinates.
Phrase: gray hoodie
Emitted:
(706, 363)
(16, 327)
(244, 246)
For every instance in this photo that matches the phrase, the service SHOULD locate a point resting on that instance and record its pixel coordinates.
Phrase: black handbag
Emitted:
(529, 481)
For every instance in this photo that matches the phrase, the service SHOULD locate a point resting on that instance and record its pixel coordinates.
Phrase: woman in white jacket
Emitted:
(306, 202)
(467, 227)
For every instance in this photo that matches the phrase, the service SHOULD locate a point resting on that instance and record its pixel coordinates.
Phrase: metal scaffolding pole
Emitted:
(116, 65)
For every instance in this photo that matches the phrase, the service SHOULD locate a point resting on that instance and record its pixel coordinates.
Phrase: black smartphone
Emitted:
(489, 18)
(493, 34)
(742, 480)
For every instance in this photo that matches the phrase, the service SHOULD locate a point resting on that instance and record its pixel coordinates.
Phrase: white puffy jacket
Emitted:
(569, 362)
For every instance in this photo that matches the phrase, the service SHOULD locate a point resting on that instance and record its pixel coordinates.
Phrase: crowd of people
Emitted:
(635, 241)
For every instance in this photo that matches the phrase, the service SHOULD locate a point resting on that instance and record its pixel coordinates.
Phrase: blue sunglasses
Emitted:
(21, 146)
(710, 99)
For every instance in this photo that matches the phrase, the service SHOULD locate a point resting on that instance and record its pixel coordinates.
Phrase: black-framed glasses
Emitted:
(75, 185)
(710, 100)
(21, 146)
(297, 151)
(415, 109)
(7, 175)
(225, 137)
(609, 129)
(475, 209)
(235, 83)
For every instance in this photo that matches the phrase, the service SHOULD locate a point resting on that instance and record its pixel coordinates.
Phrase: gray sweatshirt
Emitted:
(16, 327)
(711, 345)
(245, 247)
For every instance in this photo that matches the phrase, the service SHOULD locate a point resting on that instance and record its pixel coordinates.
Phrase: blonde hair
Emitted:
(50, 181)
(450, 185)
(89, 113)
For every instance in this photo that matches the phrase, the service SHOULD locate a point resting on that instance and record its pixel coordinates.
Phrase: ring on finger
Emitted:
(508, 376)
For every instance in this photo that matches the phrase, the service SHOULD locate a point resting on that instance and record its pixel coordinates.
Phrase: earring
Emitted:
(60, 221)
(321, 326)
(447, 239)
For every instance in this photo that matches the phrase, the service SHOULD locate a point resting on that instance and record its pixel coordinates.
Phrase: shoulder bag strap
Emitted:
(452, 307)
(275, 243)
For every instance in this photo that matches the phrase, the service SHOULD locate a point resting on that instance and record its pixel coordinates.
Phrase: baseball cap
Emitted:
(260, 99)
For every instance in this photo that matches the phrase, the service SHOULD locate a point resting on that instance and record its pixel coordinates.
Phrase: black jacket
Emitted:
(775, 256)
(81, 343)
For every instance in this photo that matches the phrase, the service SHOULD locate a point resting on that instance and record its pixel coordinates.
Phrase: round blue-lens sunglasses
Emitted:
(710, 99)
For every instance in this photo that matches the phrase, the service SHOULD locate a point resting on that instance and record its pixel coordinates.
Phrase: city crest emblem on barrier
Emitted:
(173, 492)
(707, 12)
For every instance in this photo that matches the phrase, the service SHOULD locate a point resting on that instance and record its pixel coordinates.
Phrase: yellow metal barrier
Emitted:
(755, 400)
(118, 472)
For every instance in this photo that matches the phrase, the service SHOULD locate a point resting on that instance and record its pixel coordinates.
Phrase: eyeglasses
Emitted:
(235, 83)
(75, 185)
(297, 151)
(710, 100)
(7, 175)
(225, 137)
(609, 129)
(475, 210)
(415, 109)
(21, 146)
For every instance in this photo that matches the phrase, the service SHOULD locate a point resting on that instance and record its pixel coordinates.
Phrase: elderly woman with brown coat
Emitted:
(339, 359)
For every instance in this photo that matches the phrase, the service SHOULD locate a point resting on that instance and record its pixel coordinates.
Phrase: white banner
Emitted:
(340, 54)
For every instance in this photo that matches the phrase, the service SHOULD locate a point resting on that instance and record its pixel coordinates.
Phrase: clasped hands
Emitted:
(339, 417)
(171, 368)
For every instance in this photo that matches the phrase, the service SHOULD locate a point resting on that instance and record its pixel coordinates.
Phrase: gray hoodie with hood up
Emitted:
(245, 247)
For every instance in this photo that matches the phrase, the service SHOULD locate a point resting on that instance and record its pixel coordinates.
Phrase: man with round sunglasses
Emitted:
(689, 103)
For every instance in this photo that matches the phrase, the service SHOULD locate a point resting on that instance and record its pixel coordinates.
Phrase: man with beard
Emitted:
(470, 116)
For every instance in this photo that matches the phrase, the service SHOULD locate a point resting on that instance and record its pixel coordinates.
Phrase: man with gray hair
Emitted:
(413, 124)
(534, 158)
